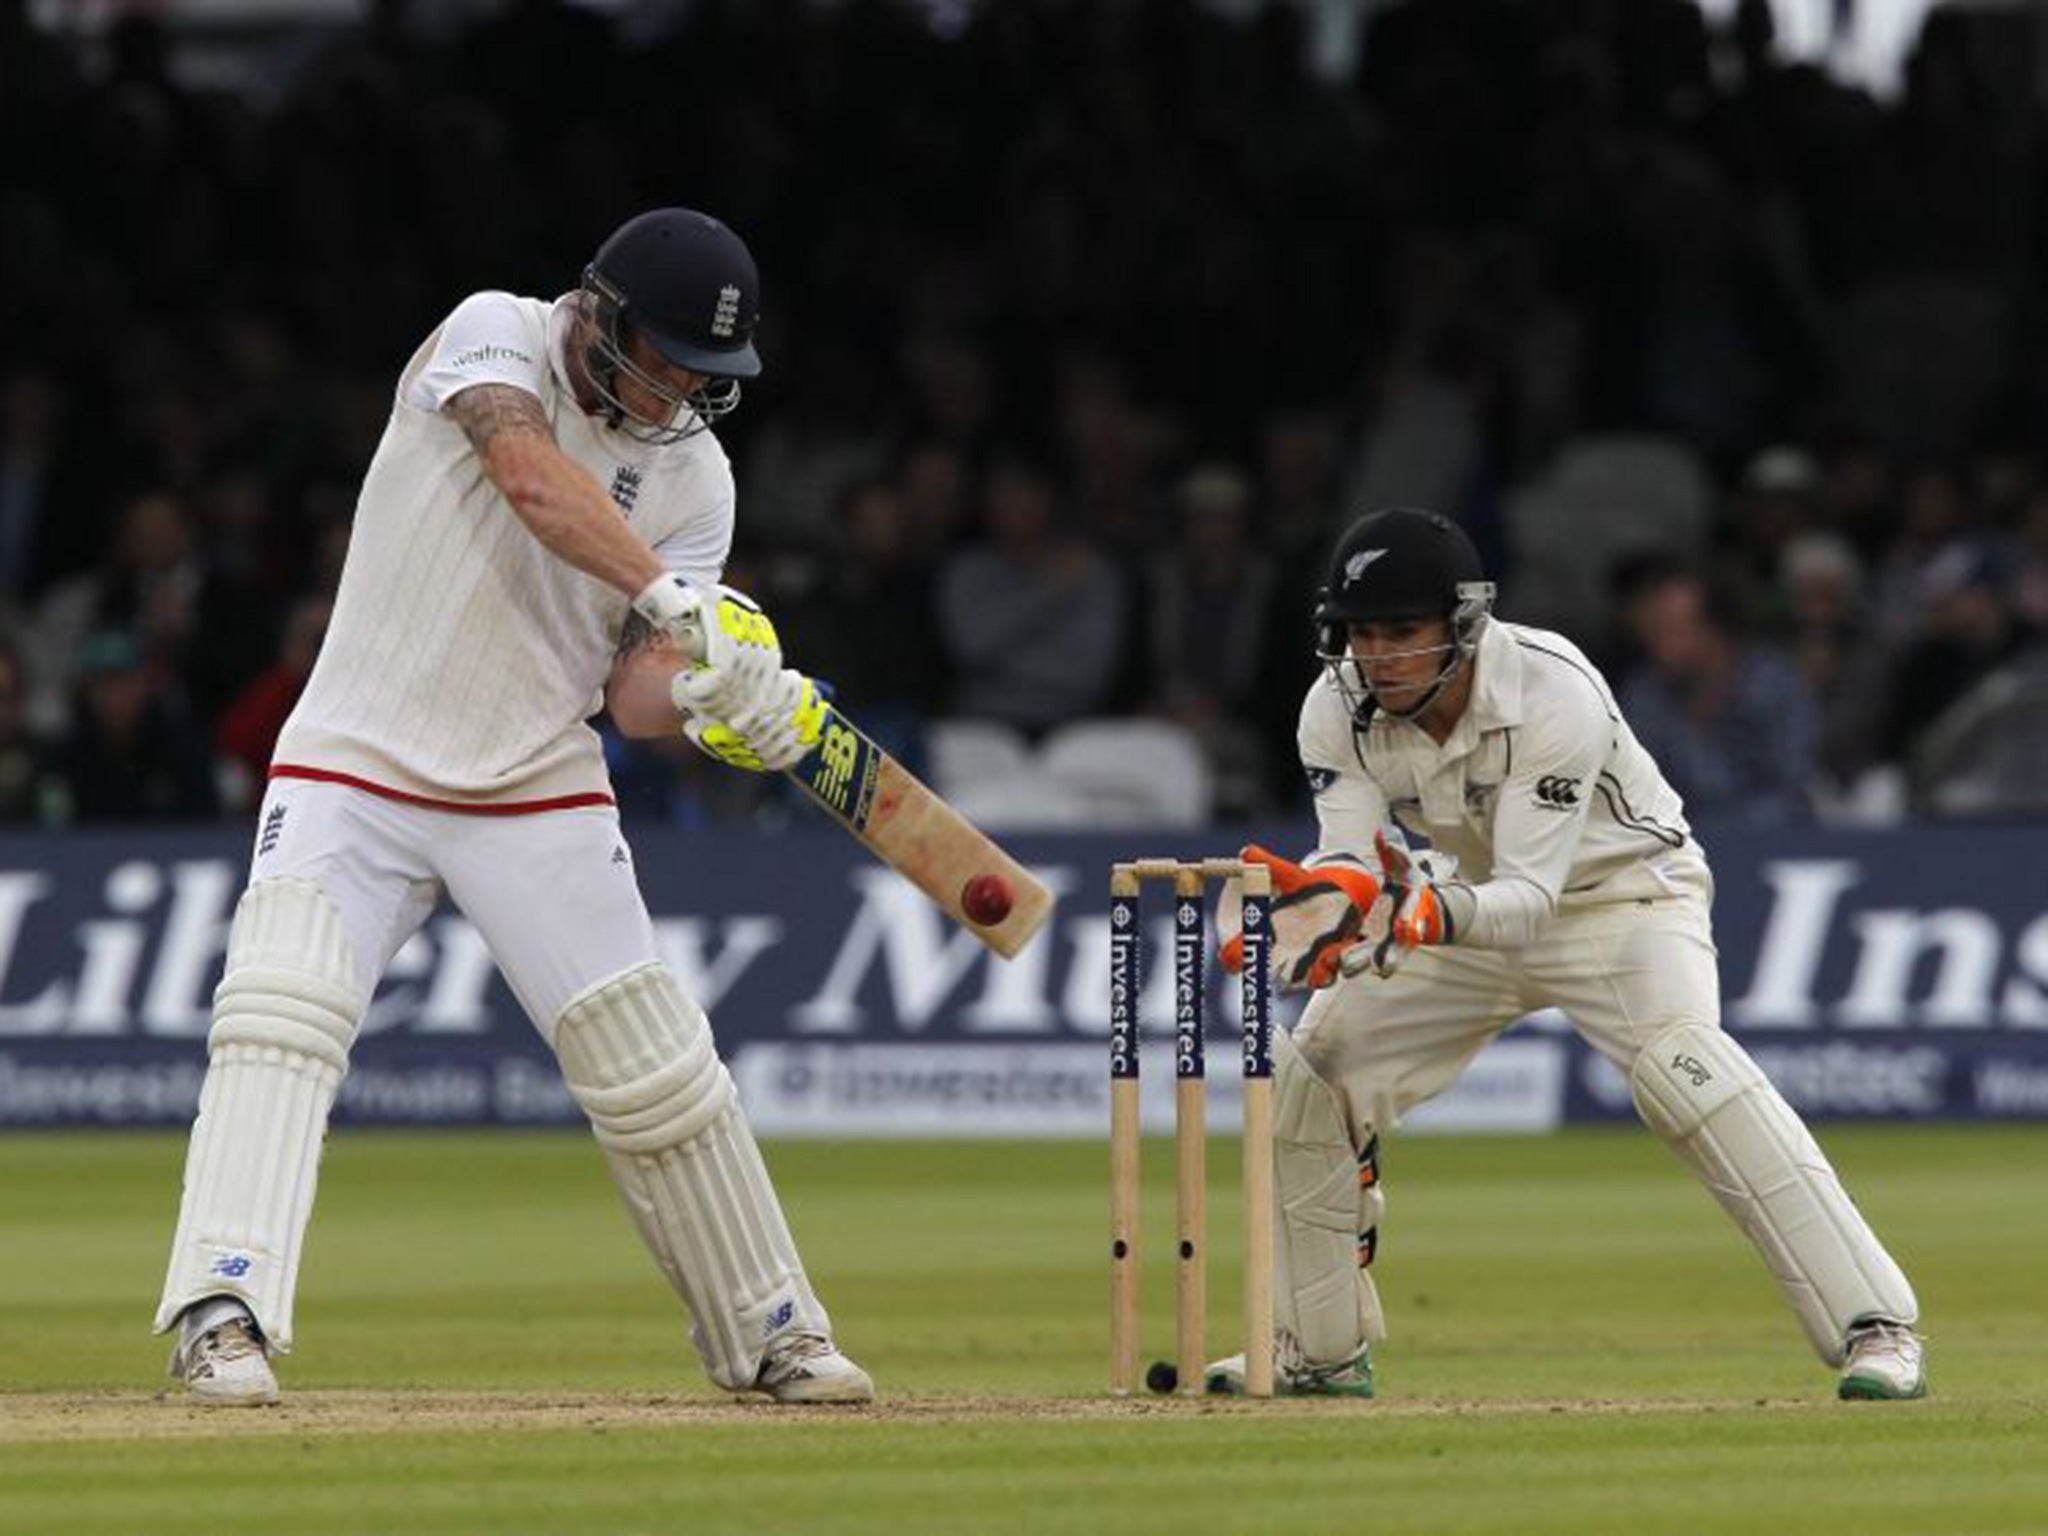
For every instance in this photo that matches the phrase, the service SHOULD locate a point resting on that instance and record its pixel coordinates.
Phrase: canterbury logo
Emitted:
(1356, 566)
(1556, 791)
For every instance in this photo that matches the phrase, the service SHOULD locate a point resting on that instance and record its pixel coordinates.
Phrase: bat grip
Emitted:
(688, 635)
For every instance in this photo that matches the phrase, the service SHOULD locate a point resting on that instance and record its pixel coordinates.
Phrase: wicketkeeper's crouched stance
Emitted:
(493, 594)
(1561, 874)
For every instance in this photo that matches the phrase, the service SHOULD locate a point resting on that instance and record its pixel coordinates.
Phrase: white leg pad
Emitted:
(1322, 1293)
(284, 1015)
(638, 1056)
(1701, 1092)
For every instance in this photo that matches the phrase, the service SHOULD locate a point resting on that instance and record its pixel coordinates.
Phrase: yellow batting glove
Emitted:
(725, 744)
(741, 662)
(777, 734)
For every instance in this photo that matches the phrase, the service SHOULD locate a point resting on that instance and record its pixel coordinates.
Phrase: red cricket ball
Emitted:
(986, 899)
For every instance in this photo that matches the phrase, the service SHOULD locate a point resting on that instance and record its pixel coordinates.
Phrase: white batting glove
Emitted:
(777, 733)
(729, 640)
(674, 608)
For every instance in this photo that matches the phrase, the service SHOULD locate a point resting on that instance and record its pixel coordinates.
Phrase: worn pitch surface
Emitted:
(1582, 1344)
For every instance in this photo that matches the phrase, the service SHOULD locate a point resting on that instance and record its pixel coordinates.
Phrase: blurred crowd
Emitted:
(1088, 327)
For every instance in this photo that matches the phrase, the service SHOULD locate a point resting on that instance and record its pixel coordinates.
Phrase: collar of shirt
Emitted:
(1496, 700)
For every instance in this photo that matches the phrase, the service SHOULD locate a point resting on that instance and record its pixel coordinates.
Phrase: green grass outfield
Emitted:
(1582, 1343)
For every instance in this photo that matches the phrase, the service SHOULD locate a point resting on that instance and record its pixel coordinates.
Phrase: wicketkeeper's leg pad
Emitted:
(638, 1057)
(284, 1015)
(1322, 1210)
(1701, 1092)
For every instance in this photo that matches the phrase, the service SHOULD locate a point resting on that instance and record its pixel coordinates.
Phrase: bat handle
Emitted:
(688, 635)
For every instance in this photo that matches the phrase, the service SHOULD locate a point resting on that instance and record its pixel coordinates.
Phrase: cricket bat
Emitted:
(912, 830)
(909, 827)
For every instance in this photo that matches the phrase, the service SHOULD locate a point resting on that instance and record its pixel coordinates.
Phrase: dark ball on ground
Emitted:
(1162, 1376)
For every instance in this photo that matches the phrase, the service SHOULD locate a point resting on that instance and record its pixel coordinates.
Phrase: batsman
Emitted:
(1559, 872)
(540, 536)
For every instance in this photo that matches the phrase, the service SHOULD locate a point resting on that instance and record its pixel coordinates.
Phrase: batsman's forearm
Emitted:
(568, 511)
(638, 697)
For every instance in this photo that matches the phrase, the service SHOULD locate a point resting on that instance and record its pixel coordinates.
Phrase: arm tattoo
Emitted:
(636, 635)
(486, 412)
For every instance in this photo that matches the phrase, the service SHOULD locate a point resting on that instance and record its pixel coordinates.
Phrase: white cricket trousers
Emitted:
(553, 893)
(340, 879)
(1622, 973)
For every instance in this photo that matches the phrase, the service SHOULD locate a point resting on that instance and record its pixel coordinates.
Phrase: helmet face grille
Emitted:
(607, 359)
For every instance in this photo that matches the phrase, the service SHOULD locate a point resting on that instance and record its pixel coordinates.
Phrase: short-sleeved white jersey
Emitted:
(463, 658)
(1541, 790)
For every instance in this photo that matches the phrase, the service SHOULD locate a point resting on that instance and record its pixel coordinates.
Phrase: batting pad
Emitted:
(1700, 1091)
(283, 1017)
(1323, 1295)
(638, 1056)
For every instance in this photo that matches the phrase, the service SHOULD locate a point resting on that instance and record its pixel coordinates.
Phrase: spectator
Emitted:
(1777, 500)
(2030, 579)
(1063, 237)
(31, 793)
(249, 726)
(130, 756)
(1968, 628)
(1212, 590)
(1032, 618)
(1729, 720)
(146, 589)
(1830, 639)
(875, 631)
(44, 474)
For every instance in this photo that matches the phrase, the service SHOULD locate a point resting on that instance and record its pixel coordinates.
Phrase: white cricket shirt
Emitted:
(463, 658)
(1541, 791)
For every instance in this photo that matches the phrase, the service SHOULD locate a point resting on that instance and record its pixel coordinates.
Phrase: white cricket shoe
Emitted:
(808, 1368)
(1887, 1361)
(1293, 1375)
(227, 1367)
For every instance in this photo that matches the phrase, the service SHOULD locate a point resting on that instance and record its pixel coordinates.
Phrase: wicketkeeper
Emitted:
(1559, 873)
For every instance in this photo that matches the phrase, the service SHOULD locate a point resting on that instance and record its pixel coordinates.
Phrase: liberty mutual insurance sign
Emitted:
(1900, 974)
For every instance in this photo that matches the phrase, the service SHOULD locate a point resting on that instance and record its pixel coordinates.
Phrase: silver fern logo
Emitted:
(1358, 564)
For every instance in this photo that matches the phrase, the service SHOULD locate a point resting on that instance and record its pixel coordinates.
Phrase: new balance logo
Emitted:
(234, 1266)
(1556, 793)
(625, 486)
(273, 826)
(778, 1320)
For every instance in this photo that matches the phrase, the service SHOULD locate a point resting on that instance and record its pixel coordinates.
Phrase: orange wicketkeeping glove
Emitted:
(1320, 911)
(1421, 915)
